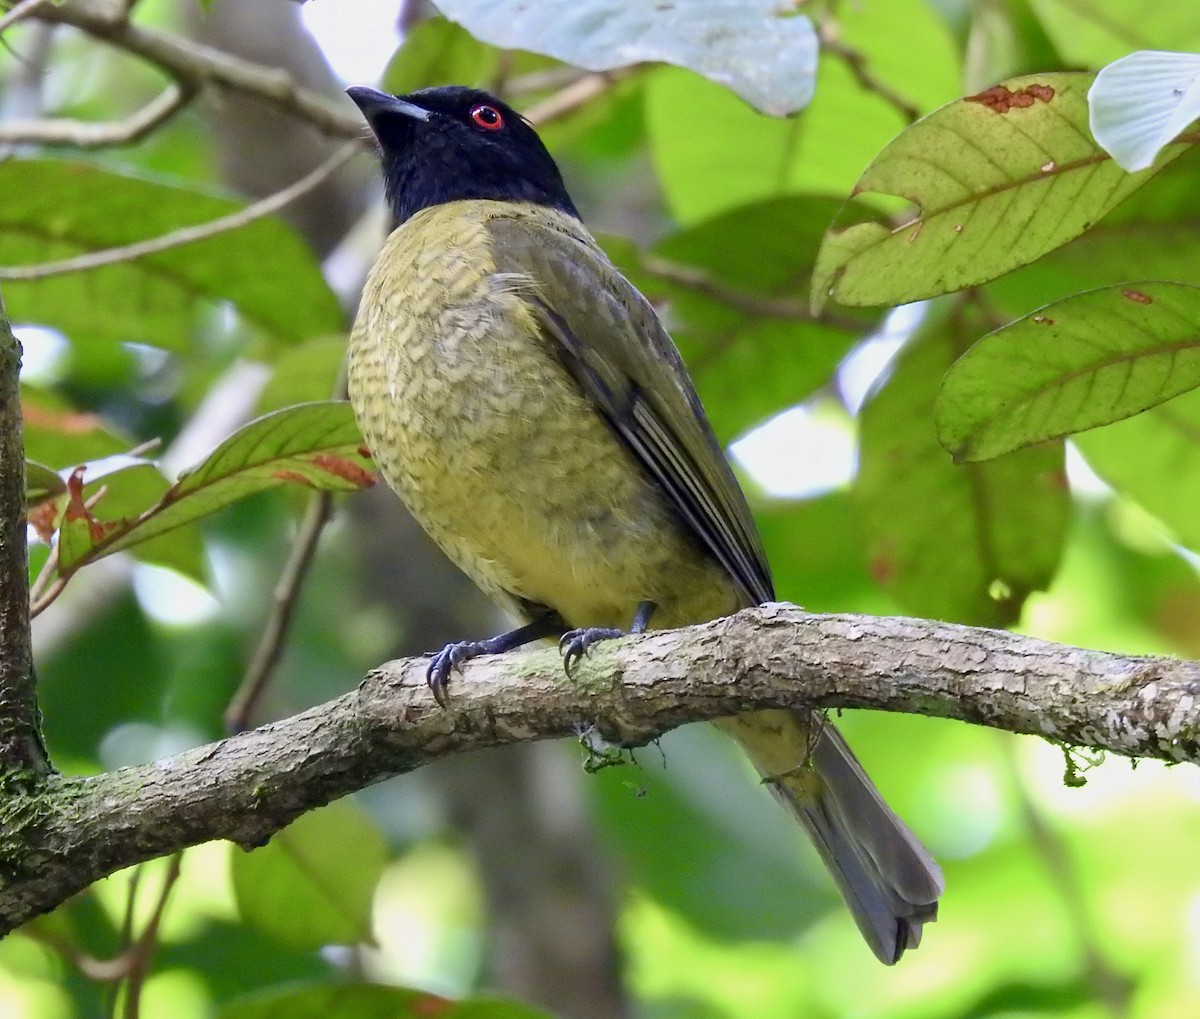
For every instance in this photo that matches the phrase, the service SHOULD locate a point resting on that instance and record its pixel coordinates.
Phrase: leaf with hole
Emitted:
(998, 179)
(1085, 361)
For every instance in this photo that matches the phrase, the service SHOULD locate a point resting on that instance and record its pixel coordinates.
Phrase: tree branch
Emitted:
(55, 842)
(23, 757)
(84, 134)
(24, 9)
(190, 62)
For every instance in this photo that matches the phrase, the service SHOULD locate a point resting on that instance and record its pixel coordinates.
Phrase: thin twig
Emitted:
(85, 134)
(286, 596)
(580, 92)
(856, 61)
(142, 951)
(42, 580)
(49, 596)
(22, 10)
(1111, 987)
(186, 60)
(702, 282)
(188, 235)
(542, 81)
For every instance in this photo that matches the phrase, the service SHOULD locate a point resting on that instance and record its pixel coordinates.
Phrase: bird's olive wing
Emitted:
(613, 344)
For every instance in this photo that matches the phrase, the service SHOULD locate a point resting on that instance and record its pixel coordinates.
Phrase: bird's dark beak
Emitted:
(375, 104)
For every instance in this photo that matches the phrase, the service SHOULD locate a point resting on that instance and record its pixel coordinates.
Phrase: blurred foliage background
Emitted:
(670, 887)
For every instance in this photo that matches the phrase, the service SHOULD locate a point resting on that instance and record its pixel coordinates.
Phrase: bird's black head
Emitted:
(445, 144)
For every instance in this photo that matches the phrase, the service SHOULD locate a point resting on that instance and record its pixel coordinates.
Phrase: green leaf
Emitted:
(1154, 458)
(968, 542)
(55, 210)
(438, 51)
(748, 874)
(741, 156)
(313, 444)
(998, 179)
(734, 290)
(815, 547)
(41, 484)
(1161, 223)
(57, 434)
(369, 1001)
(128, 492)
(1092, 34)
(305, 373)
(1086, 361)
(766, 54)
(313, 883)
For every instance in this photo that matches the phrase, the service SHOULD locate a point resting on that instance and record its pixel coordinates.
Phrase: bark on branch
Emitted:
(23, 758)
(76, 830)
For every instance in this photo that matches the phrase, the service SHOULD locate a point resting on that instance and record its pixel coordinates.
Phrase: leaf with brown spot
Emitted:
(79, 531)
(1104, 356)
(348, 470)
(1001, 99)
(311, 444)
(991, 193)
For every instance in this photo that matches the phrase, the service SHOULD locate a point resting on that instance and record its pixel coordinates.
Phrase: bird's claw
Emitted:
(574, 644)
(450, 659)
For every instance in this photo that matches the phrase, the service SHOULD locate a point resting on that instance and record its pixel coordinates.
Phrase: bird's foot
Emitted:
(451, 659)
(574, 644)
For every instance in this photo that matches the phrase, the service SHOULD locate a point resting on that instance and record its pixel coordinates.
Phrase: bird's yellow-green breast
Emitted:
(491, 443)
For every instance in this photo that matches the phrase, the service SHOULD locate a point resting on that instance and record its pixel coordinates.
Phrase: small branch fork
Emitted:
(73, 831)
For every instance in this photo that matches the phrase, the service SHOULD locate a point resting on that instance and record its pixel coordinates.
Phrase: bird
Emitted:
(526, 403)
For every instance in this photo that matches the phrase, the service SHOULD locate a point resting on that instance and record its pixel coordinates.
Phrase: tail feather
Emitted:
(888, 879)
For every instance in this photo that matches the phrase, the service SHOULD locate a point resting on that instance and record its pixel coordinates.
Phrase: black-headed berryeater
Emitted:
(527, 405)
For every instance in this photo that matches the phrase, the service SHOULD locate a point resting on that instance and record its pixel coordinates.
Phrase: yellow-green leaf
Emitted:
(1086, 361)
(998, 179)
(313, 444)
(55, 209)
(964, 542)
(41, 484)
(1154, 458)
(312, 884)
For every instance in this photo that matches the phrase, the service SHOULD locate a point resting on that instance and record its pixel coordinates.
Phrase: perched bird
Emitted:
(527, 405)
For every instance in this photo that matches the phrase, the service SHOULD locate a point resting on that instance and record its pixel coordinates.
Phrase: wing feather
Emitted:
(612, 343)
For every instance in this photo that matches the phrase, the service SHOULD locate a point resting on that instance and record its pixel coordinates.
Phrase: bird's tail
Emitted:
(887, 877)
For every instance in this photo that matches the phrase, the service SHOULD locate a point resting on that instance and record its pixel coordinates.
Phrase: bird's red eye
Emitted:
(487, 117)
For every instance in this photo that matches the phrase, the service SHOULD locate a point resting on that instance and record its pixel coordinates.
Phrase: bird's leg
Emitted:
(454, 656)
(574, 644)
